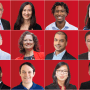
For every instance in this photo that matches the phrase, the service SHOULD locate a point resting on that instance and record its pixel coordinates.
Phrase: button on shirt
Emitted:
(67, 26)
(59, 56)
(88, 55)
(1, 25)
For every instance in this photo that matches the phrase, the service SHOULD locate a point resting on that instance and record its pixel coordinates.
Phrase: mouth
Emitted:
(62, 77)
(58, 46)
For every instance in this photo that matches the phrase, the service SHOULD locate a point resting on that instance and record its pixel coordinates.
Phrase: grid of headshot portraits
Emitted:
(45, 44)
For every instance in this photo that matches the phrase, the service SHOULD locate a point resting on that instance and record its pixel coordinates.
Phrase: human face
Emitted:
(60, 14)
(28, 42)
(62, 73)
(27, 12)
(60, 42)
(88, 42)
(26, 74)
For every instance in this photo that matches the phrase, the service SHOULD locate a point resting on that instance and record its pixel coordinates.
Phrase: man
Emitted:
(60, 42)
(86, 85)
(4, 55)
(4, 25)
(27, 72)
(2, 85)
(87, 54)
(60, 11)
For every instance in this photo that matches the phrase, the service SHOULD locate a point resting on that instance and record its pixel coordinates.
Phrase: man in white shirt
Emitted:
(60, 11)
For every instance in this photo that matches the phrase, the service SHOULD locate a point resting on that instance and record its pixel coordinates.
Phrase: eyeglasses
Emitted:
(60, 71)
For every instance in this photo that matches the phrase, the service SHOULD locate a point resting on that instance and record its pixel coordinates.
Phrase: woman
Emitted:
(61, 77)
(87, 19)
(26, 19)
(29, 47)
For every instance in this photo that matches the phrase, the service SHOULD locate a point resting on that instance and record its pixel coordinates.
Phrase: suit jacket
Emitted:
(6, 24)
(83, 56)
(66, 56)
(85, 85)
(3, 86)
(57, 87)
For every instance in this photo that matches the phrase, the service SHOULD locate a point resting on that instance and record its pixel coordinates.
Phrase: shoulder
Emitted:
(72, 86)
(83, 56)
(5, 87)
(50, 86)
(5, 21)
(17, 87)
(49, 56)
(86, 83)
(20, 58)
(36, 86)
(37, 27)
(5, 53)
(85, 28)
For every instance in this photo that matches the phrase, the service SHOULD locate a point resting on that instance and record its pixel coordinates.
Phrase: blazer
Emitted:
(85, 85)
(37, 56)
(83, 56)
(66, 56)
(6, 24)
(57, 87)
(3, 86)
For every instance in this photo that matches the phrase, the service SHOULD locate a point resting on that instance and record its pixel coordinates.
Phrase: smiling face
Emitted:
(60, 14)
(28, 42)
(26, 74)
(27, 12)
(88, 42)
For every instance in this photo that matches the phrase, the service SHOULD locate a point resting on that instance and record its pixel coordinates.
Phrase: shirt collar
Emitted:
(0, 20)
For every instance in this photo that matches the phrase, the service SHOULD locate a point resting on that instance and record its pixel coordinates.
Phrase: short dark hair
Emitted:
(29, 64)
(0, 69)
(60, 4)
(88, 33)
(55, 78)
(61, 33)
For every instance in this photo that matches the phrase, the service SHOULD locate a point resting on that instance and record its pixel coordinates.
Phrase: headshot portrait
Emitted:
(26, 19)
(29, 47)
(86, 55)
(60, 41)
(27, 73)
(60, 11)
(4, 24)
(4, 55)
(61, 77)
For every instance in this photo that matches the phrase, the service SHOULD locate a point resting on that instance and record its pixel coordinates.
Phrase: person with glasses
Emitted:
(61, 77)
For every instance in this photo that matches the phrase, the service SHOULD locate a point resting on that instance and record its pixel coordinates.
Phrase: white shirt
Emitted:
(1, 25)
(88, 55)
(67, 26)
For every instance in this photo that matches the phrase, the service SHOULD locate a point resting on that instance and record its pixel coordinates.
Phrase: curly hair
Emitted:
(36, 42)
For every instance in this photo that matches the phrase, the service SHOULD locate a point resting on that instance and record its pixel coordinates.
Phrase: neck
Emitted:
(57, 52)
(26, 22)
(60, 25)
(61, 83)
(29, 53)
(27, 85)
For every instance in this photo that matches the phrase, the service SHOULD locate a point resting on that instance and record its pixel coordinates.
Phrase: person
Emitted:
(60, 11)
(86, 56)
(60, 42)
(27, 72)
(2, 85)
(4, 24)
(61, 78)
(29, 47)
(87, 19)
(86, 85)
(4, 55)
(26, 19)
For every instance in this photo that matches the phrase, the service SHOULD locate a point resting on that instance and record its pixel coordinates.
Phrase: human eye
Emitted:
(57, 11)
(29, 72)
(88, 40)
(62, 40)
(24, 9)
(23, 71)
(29, 10)
(55, 39)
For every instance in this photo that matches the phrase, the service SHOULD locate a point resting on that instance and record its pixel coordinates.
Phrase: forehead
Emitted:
(28, 36)
(59, 8)
(1, 7)
(59, 36)
(64, 67)
(28, 6)
(88, 37)
(26, 68)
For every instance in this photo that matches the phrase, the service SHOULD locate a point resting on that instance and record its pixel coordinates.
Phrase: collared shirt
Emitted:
(59, 56)
(88, 55)
(1, 25)
(67, 26)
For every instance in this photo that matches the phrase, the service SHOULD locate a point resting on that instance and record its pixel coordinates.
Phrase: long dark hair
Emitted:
(55, 83)
(20, 19)
(87, 19)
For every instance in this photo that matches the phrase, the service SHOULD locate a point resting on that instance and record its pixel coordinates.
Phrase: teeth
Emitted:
(59, 17)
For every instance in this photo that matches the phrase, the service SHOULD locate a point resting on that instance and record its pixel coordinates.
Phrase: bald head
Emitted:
(1, 10)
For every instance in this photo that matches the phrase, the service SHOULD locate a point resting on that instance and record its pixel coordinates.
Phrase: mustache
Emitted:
(58, 45)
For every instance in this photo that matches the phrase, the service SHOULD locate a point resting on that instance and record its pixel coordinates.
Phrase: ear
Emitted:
(19, 73)
(33, 74)
(66, 43)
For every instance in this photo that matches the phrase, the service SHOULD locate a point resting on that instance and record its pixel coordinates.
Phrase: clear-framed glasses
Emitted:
(62, 71)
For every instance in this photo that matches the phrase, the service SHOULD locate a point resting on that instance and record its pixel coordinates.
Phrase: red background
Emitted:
(39, 75)
(83, 71)
(5, 65)
(6, 41)
(15, 35)
(39, 12)
(72, 17)
(49, 68)
(72, 45)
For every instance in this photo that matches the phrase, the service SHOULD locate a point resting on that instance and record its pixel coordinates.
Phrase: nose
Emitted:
(59, 12)
(26, 74)
(58, 42)
(26, 11)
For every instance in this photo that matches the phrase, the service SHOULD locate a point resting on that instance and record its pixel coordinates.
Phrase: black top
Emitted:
(29, 58)
(57, 87)
(85, 85)
(37, 27)
(83, 56)
(66, 56)
(3, 86)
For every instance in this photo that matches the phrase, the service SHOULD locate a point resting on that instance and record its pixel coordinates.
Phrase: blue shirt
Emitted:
(67, 26)
(1, 25)
(34, 87)
(85, 28)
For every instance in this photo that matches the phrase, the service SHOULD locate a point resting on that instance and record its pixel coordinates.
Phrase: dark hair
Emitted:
(88, 33)
(60, 4)
(26, 63)
(61, 33)
(36, 43)
(55, 83)
(87, 19)
(20, 19)
(89, 64)
(0, 69)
